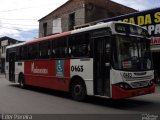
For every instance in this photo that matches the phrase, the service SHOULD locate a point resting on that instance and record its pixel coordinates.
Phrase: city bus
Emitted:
(111, 60)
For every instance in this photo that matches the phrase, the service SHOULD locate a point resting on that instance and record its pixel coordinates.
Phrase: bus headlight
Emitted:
(124, 85)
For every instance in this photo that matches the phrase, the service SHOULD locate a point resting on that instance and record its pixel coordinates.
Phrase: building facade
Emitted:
(4, 42)
(75, 13)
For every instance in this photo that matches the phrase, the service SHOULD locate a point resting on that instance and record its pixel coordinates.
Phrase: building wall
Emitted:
(79, 19)
(85, 11)
(49, 27)
(80, 16)
(65, 19)
(94, 13)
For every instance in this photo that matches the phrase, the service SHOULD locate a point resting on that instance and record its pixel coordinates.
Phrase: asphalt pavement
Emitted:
(14, 100)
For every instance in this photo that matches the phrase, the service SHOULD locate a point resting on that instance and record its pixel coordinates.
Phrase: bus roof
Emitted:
(101, 25)
(49, 37)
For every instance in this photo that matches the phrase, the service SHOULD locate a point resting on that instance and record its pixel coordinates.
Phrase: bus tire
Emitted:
(78, 90)
(22, 81)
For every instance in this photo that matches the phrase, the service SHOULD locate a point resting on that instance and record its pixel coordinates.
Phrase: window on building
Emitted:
(57, 27)
(71, 21)
(45, 29)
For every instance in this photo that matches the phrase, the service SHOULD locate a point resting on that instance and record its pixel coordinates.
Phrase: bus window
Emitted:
(18, 57)
(44, 50)
(33, 51)
(79, 50)
(59, 48)
(79, 46)
(133, 53)
(24, 53)
(20, 53)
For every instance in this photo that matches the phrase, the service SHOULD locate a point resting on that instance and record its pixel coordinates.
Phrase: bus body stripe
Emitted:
(49, 37)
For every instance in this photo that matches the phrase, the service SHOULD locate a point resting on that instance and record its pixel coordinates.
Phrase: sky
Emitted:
(19, 18)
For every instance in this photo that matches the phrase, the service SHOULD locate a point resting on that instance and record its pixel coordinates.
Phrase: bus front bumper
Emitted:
(119, 93)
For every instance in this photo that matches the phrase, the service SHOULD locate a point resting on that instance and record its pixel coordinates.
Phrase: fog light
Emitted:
(124, 86)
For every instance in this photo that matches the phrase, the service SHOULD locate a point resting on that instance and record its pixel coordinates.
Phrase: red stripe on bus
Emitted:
(118, 93)
(49, 37)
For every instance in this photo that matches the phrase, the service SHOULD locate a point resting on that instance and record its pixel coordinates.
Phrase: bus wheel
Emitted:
(78, 90)
(21, 81)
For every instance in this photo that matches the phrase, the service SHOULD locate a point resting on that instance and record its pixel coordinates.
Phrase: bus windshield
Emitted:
(132, 53)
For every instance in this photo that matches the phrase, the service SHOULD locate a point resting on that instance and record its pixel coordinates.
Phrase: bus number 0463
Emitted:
(77, 68)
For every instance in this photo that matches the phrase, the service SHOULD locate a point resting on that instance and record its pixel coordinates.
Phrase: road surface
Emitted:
(15, 100)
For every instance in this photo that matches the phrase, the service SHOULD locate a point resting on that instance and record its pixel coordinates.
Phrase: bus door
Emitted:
(102, 66)
(12, 57)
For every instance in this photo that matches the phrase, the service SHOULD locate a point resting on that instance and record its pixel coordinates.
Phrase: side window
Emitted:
(20, 53)
(59, 48)
(79, 45)
(24, 52)
(17, 53)
(33, 51)
(44, 50)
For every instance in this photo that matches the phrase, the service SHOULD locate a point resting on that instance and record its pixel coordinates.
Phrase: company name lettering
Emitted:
(149, 21)
(38, 70)
(155, 41)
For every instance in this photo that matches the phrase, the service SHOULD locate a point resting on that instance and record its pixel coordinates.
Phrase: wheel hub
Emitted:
(78, 89)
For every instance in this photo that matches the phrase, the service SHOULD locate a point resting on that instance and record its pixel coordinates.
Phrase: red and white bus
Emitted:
(111, 60)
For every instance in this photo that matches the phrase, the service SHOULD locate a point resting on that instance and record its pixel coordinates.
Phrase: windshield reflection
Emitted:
(132, 53)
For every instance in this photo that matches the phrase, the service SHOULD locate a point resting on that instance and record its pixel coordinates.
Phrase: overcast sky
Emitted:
(19, 18)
